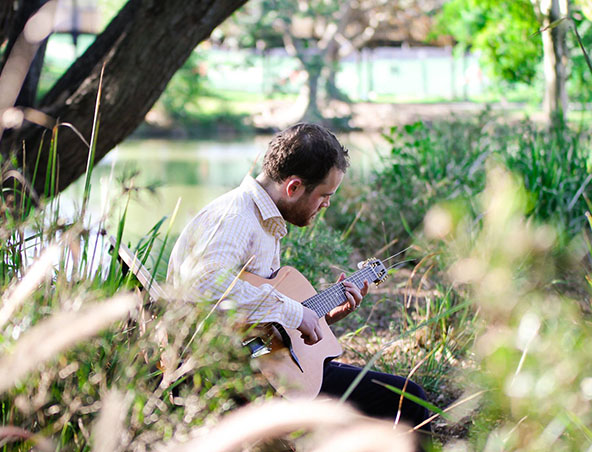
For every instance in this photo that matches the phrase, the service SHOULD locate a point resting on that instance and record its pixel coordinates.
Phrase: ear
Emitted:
(293, 186)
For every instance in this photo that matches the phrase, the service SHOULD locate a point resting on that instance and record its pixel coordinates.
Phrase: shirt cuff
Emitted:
(292, 311)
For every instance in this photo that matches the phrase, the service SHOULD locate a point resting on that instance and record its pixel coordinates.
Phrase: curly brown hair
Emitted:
(308, 151)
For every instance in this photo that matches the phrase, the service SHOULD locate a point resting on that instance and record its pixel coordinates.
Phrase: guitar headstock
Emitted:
(377, 268)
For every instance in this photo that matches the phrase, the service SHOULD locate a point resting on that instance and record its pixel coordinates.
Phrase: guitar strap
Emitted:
(288, 343)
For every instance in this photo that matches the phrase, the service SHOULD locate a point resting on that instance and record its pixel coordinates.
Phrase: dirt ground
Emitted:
(369, 116)
(375, 327)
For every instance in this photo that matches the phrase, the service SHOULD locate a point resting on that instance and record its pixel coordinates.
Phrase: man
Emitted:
(302, 169)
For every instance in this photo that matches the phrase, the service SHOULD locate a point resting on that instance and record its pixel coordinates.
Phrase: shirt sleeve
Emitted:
(206, 261)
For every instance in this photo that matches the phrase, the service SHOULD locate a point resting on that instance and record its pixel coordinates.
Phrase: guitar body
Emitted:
(278, 366)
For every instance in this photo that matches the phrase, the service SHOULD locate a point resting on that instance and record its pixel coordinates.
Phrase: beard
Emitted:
(299, 214)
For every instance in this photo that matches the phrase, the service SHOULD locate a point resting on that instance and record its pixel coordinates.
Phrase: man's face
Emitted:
(304, 208)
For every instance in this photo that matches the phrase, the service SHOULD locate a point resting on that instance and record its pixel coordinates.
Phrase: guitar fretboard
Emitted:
(332, 297)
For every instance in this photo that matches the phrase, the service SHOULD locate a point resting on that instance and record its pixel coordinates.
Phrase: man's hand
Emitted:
(309, 327)
(353, 299)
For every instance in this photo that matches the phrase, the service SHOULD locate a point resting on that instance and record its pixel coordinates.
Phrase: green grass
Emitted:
(446, 161)
(477, 306)
(126, 354)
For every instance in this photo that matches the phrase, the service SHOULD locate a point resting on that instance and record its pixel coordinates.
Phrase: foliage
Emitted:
(447, 161)
(507, 33)
(262, 19)
(504, 31)
(167, 375)
(126, 372)
(181, 97)
(189, 107)
(318, 263)
(580, 76)
(494, 254)
(530, 335)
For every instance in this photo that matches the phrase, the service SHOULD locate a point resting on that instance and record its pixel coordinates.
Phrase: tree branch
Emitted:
(142, 48)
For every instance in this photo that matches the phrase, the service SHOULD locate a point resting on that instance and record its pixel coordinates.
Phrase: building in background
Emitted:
(76, 17)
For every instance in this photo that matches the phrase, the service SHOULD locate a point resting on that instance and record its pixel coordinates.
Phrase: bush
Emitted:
(318, 252)
(534, 359)
(447, 161)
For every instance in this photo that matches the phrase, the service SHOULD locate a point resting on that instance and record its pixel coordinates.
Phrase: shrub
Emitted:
(447, 161)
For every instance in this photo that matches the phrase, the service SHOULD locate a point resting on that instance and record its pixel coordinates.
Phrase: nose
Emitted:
(326, 203)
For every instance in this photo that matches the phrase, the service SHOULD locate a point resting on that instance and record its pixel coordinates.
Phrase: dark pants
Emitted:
(371, 398)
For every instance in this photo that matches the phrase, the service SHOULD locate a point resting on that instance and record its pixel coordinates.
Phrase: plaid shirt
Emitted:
(244, 223)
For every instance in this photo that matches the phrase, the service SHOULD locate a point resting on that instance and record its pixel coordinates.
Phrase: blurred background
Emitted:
(468, 123)
(360, 67)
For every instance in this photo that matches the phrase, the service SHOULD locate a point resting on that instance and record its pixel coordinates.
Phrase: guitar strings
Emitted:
(320, 301)
(397, 264)
(396, 254)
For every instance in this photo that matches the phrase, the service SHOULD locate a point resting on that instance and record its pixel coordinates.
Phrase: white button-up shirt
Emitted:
(242, 227)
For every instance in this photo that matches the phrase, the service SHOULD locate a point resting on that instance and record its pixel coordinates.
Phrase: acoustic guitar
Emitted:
(292, 367)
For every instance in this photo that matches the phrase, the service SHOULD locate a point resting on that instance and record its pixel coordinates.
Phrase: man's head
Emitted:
(304, 150)
(306, 165)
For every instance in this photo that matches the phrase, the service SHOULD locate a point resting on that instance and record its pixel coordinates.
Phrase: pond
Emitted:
(189, 172)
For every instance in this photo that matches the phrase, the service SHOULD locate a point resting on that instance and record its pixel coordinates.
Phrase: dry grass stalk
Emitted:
(57, 333)
(17, 294)
(336, 427)
(107, 432)
(386, 247)
(468, 406)
(10, 433)
(413, 273)
(37, 28)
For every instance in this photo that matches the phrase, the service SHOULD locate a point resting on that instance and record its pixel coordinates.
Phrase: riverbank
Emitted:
(376, 117)
(269, 116)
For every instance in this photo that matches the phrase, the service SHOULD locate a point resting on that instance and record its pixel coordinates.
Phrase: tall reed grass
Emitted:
(532, 343)
(87, 364)
(72, 357)
(501, 255)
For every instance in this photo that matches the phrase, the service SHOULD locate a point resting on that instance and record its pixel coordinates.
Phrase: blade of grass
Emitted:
(581, 44)
(408, 332)
(120, 226)
(166, 238)
(413, 398)
(93, 145)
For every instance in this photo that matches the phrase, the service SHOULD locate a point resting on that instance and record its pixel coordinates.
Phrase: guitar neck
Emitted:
(332, 297)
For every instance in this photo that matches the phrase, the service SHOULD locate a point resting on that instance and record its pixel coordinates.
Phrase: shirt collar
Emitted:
(270, 214)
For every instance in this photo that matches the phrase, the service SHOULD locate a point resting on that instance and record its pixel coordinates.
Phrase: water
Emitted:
(189, 172)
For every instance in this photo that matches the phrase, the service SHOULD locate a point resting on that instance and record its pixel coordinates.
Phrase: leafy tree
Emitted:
(319, 33)
(580, 76)
(501, 30)
(515, 36)
(305, 29)
(140, 49)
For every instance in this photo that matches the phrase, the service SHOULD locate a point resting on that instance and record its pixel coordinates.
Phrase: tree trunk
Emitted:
(333, 54)
(141, 49)
(555, 58)
(8, 13)
(313, 66)
(333, 92)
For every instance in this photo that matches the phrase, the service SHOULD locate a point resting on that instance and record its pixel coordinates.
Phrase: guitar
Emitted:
(292, 367)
